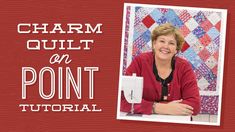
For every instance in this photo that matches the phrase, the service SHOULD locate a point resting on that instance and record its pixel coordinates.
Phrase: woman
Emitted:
(170, 86)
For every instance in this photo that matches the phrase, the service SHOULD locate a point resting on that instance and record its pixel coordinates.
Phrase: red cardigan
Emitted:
(183, 85)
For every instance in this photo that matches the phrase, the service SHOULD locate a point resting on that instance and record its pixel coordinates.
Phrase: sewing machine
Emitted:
(132, 86)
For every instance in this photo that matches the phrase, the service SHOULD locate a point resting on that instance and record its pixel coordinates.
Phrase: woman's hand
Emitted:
(173, 108)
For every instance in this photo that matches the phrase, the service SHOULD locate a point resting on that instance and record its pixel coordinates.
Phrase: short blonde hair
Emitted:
(167, 29)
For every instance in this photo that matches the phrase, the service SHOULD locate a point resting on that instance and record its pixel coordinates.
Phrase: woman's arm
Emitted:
(172, 108)
(190, 102)
(190, 91)
(145, 107)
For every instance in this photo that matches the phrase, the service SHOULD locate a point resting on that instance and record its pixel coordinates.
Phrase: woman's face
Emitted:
(165, 47)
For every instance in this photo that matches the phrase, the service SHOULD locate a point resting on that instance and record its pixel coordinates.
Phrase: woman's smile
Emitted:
(164, 50)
